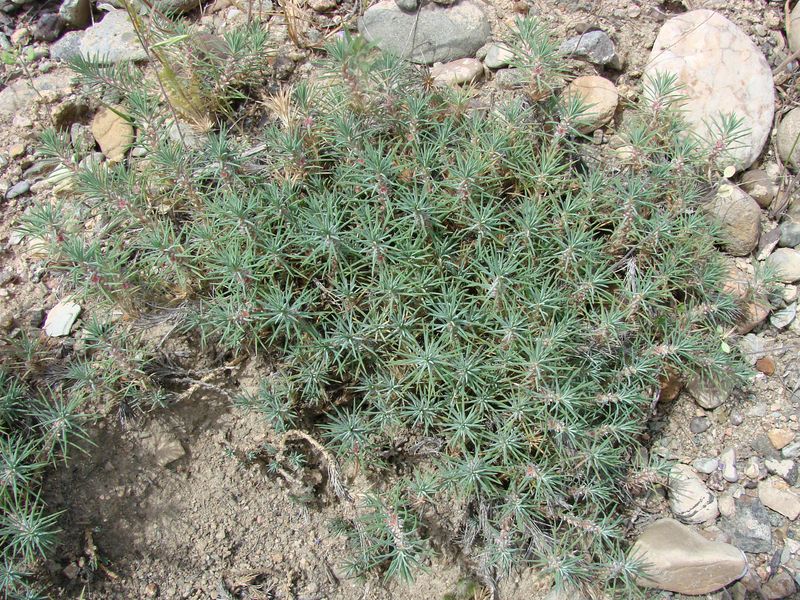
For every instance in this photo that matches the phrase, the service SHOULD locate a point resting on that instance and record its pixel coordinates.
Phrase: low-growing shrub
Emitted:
(449, 297)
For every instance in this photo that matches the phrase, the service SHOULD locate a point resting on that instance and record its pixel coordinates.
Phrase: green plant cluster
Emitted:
(457, 303)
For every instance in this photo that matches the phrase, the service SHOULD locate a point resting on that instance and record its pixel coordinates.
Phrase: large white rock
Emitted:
(678, 559)
(722, 71)
(689, 498)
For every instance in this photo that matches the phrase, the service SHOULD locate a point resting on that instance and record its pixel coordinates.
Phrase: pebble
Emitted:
(790, 234)
(705, 465)
(786, 263)
(784, 468)
(113, 133)
(781, 585)
(681, 560)
(457, 72)
(498, 56)
(753, 314)
(753, 469)
(766, 365)
(720, 69)
(736, 418)
(18, 189)
(61, 318)
(599, 97)
(781, 319)
(780, 438)
(594, 47)
(407, 5)
(727, 462)
(112, 40)
(786, 137)
(793, 31)
(710, 393)
(48, 27)
(791, 451)
(510, 79)
(776, 495)
(749, 527)
(752, 348)
(689, 498)
(432, 34)
(76, 13)
(739, 217)
(699, 424)
(760, 186)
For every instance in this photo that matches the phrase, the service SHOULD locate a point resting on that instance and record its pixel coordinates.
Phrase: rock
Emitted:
(498, 56)
(68, 47)
(760, 186)
(749, 527)
(710, 393)
(594, 47)
(779, 438)
(689, 498)
(457, 72)
(766, 364)
(720, 69)
(18, 189)
(61, 318)
(48, 27)
(407, 5)
(705, 465)
(322, 6)
(793, 29)
(739, 217)
(784, 317)
(433, 34)
(112, 40)
(786, 263)
(727, 462)
(681, 560)
(699, 424)
(754, 470)
(781, 585)
(776, 495)
(168, 7)
(18, 98)
(113, 133)
(165, 447)
(510, 79)
(786, 137)
(599, 97)
(791, 451)
(784, 468)
(76, 13)
(671, 386)
(753, 314)
(727, 505)
(752, 348)
(790, 234)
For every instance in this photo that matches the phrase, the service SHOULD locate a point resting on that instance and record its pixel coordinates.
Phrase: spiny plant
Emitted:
(458, 305)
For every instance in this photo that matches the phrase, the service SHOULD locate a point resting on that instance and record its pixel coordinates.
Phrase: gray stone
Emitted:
(689, 498)
(433, 34)
(61, 318)
(76, 13)
(18, 189)
(793, 30)
(168, 7)
(784, 468)
(749, 527)
(67, 47)
(511, 79)
(19, 97)
(705, 465)
(48, 27)
(498, 56)
(721, 70)
(699, 424)
(790, 234)
(781, 585)
(761, 187)
(112, 40)
(787, 137)
(407, 5)
(786, 263)
(784, 317)
(727, 462)
(594, 47)
(752, 348)
(681, 560)
(791, 451)
(739, 217)
(709, 392)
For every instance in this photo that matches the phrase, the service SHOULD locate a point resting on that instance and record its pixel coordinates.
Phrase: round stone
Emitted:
(599, 97)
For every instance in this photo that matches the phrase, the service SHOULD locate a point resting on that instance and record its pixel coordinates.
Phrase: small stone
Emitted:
(17, 150)
(407, 5)
(776, 495)
(779, 586)
(752, 348)
(67, 47)
(780, 438)
(511, 79)
(786, 137)
(708, 392)
(61, 318)
(457, 72)
(785, 468)
(759, 186)
(705, 465)
(689, 498)
(736, 418)
(76, 13)
(781, 319)
(681, 560)
(753, 315)
(727, 462)
(786, 263)
(753, 469)
(766, 365)
(793, 29)
(18, 189)
(166, 448)
(791, 451)
(790, 234)
(739, 217)
(498, 56)
(432, 34)
(21, 36)
(749, 527)
(699, 425)
(71, 571)
(720, 70)
(48, 27)
(113, 133)
(599, 97)
(593, 46)
(322, 6)
(727, 505)
(151, 590)
(112, 40)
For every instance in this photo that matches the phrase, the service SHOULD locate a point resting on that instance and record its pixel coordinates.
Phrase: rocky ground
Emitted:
(169, 507)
